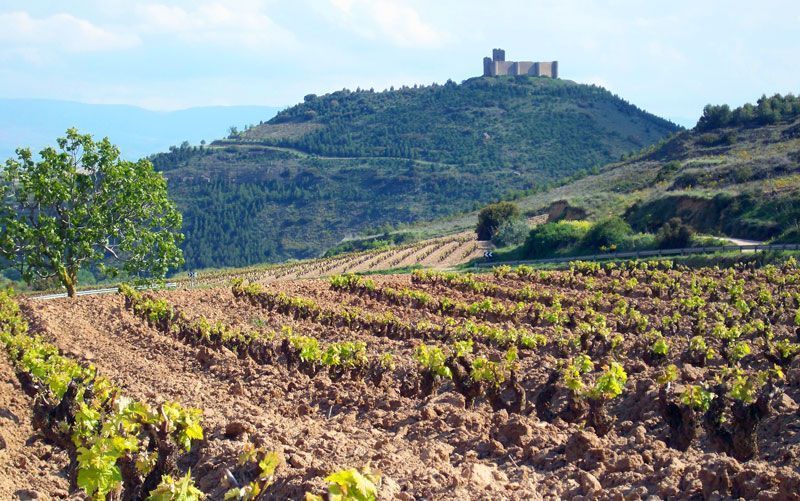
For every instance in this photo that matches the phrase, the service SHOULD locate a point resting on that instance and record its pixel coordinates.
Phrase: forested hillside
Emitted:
(349, 161)
(737, 173)
(550, 127)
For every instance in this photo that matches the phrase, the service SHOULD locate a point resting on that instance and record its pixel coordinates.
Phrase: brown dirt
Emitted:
(426, 448)
(321, 426)
(29, 467)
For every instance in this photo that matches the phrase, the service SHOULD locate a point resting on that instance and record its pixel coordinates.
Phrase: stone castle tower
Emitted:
(498, 66)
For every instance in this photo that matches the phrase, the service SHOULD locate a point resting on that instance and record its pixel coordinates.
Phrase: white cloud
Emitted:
(394, 20)
(62, 32)
(236, 24)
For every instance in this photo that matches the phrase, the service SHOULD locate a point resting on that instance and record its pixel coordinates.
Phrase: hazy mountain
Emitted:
(138, 132)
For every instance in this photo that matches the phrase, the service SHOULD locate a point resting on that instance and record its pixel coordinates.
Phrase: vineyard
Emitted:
(620, 380)
(441, 252)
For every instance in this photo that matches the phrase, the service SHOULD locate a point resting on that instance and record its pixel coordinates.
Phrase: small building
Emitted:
(497, 65)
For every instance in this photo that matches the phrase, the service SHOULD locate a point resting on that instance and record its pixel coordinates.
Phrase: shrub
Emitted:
(674, 234)
(493, 216)
(638, 241)
(511, 232)
(607, 233)
(667, 170)
(789, 236)
(550, 238)
(711, 139)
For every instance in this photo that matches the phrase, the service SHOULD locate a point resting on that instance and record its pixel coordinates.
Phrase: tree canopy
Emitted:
(674, 234)
(767, 110)
(80, 205)
(491, 217)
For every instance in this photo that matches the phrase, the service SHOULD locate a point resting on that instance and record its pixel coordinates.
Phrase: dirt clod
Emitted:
(235, 429)
(579, 443)
(589, 483)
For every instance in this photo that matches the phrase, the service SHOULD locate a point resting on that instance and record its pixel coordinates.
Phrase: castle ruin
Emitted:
(497, 65)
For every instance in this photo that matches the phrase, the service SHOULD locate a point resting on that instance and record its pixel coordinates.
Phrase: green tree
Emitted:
(511, 232)
(81, 204)
(714, 117)
(610, 232)
(674, 234)
(491, 217)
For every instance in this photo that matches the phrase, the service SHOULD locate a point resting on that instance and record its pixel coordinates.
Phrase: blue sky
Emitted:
(670, 58)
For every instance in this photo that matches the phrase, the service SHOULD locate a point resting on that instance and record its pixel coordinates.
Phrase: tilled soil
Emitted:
(321, 426)
(425, 447)
(29, 467)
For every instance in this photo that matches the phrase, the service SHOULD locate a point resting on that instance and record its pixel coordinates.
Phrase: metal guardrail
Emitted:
(650, 253)
(98, 292)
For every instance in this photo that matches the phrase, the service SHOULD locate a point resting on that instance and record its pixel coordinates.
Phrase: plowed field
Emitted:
(524, 402)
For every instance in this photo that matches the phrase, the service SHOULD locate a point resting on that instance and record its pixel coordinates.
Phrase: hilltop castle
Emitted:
(497, 66)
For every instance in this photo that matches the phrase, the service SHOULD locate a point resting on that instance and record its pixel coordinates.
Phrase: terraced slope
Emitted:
(740, 181)
(439, 253)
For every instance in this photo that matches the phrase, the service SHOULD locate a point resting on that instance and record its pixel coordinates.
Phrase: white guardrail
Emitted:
(651, 253)
(97, 292)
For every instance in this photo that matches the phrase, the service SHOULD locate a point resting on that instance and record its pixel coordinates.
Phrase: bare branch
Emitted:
(111, 251)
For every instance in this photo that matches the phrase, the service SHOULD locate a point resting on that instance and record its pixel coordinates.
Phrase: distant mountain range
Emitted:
(138, 132)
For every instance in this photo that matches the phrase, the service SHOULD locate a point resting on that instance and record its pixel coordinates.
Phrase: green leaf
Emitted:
(182, 489)
(352, 485)
(98, 473)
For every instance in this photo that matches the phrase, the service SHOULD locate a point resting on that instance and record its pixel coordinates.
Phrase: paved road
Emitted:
(95, 292)
(738, 241)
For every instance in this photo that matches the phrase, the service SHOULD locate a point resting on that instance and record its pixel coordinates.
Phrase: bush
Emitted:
(493, 216)
(790, 236)
(674, 234)
(638, 241)
(551, 238)
(667, 170)
(607, 234)
(512, 232)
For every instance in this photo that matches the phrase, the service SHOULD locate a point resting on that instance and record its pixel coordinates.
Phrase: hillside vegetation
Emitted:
(736, 174)
(346, 162)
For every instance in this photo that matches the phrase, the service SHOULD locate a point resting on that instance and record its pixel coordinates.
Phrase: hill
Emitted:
(737, 176)
(138, 132)
(342, 163)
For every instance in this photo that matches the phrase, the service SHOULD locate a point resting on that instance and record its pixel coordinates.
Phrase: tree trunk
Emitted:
(67, 278)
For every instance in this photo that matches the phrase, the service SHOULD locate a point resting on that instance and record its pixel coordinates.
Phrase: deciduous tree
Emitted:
(491, 217)
(81, 204)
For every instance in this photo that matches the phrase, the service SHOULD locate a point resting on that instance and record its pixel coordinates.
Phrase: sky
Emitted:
(670, 58)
